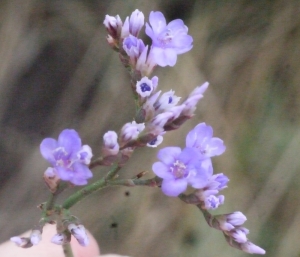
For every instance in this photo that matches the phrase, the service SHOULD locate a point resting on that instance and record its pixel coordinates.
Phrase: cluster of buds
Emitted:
(26, 242)
(63, 237)
(78, 231)
(236, 235)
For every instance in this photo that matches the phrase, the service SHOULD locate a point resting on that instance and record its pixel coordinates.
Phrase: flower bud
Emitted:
(60, 239)
(230, 221)
(51, 179)
(249, 247)
(35, 236)
(111, 146)
(239, 234)
(113, 26)
(136, 22)
(23, 242)
(131, 131)
(78, 231)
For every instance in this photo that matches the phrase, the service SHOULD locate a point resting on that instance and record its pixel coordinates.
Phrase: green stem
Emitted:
(152, 182)
(67, 250)
(84, 192)
(97, 162)
(81, 194)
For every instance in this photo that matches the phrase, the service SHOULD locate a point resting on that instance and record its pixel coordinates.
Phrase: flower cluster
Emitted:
(192, 166)
(61, 238)
(157, 112)
(168, 40)
(236, 235)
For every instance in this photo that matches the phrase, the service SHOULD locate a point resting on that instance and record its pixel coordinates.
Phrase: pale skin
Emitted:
(47, 249)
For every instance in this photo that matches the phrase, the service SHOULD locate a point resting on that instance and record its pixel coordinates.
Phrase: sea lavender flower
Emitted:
(201, 139)
(68, 157)
(168, 40)
(178, 169)
(145, 86)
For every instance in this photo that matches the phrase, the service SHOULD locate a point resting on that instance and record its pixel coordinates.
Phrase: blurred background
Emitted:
(57, 71)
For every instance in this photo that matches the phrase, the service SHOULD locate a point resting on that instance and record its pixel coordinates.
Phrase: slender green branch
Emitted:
(81, 194)
(97, 162)
(152, 182)
(67, 250)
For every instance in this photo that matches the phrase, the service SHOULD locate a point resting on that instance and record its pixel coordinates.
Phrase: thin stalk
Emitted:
(67, 250)
(84, 192)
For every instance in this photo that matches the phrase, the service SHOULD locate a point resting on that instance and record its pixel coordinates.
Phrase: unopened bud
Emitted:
(60, 239)
(249, 247)
(23, 242)
(35, 237)
(78, 231)
(51, 179)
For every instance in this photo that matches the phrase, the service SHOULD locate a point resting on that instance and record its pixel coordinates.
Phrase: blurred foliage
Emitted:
(57, 72)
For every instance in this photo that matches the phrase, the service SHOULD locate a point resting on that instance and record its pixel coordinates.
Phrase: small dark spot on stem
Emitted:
(114, 225)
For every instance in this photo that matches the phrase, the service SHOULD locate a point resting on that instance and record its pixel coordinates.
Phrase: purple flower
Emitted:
(178, 169)
(145, 86)
(168, 40)
(201, 139)
(68, 157)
